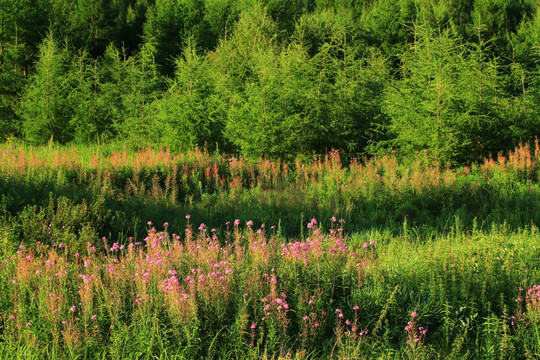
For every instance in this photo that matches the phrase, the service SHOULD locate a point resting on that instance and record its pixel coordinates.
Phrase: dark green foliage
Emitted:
(139, 84)
(190, 112)
(12, 81)
(273, 78)
(44, 104)
(448, 100)
(91, 120)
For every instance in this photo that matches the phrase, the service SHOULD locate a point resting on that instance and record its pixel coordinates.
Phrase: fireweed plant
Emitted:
(364, 258)
(80, 194)
(253, 294)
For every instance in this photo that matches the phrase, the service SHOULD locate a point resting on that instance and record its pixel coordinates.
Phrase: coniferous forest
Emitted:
(269, 179)
(273, 78)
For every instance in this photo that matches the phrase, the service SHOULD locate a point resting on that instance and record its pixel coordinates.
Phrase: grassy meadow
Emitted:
(111, 253)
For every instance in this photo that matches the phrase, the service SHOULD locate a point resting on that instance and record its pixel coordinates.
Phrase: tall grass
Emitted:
(111, 192)
(370, 258)
(253, 294)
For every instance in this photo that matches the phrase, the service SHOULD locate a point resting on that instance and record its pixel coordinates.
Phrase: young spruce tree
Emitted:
(45, 109)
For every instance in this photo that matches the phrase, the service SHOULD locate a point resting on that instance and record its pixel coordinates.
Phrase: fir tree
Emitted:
(139, 87)
(189, 112)
(45, 109)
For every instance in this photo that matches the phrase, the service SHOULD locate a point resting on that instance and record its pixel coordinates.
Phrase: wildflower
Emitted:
(93, 317)
(414, 314)
(12, 317)
(188, 216)
(29, 324)
(165, 225)
(372, 243)
(365, 245)
(237, 222)
(356, 307)
(249, 223)
(149, 223)
(253, 326)
(73, 309)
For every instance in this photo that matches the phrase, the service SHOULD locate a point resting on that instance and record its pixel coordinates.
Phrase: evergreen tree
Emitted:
(190, 112)
(219, 19)
(139, 87)
(25, 23)
(45, 109)
(90, 120)
(386, 25)
(112, 76)
(526, 41)
(446, 101)
(169, 23)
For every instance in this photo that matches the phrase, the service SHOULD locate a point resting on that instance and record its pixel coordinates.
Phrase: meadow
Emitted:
(112, 253)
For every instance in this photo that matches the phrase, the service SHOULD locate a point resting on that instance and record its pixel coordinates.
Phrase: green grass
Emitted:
(463, 287)
(458, 247)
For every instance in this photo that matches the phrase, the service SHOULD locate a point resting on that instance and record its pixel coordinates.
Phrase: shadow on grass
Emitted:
(49, 211)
